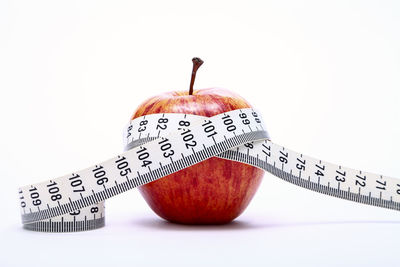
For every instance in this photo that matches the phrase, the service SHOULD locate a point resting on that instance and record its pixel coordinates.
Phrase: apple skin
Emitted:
(214, 191)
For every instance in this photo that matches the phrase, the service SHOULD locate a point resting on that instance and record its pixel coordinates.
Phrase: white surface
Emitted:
(71, 74)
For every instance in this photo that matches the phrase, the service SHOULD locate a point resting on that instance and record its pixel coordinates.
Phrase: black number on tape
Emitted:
(301, 165)
(360, 181)
(229, 123)
(381, 185)
(188, 138)
(75, 213)
(94, 210)
(184, 123)
(122, 165)
(243, 116)
(341, 177)
(129, 131)
(266, 150)
(166, 148)
(23, 203)
(76, 183)
(143, 155)
(255, 115)
(35, 196)
(249, 145)
(284, 157)
(100, 174)
(209, 128)
(320, 170)
(162, 124)
(142, 125)
(53, 190)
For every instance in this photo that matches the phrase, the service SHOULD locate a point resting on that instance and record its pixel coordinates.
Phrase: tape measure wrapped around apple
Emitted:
(211, 149)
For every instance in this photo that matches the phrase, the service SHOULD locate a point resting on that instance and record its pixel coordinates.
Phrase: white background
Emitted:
(325, 75)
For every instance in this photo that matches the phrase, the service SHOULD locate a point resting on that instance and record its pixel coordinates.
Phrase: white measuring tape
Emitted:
(160, 144)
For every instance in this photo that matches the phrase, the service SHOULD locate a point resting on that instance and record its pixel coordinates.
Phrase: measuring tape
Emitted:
(160, 144)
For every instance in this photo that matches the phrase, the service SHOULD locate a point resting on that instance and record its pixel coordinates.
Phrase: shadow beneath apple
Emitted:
(166, 225)
(238, 225)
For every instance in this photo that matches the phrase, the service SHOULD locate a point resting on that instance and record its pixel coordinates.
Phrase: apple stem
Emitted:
(197, 62)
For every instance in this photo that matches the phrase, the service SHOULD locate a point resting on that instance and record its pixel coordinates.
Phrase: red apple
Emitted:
(214, 191)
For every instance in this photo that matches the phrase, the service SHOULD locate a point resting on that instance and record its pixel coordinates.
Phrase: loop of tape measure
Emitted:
(160, 144)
